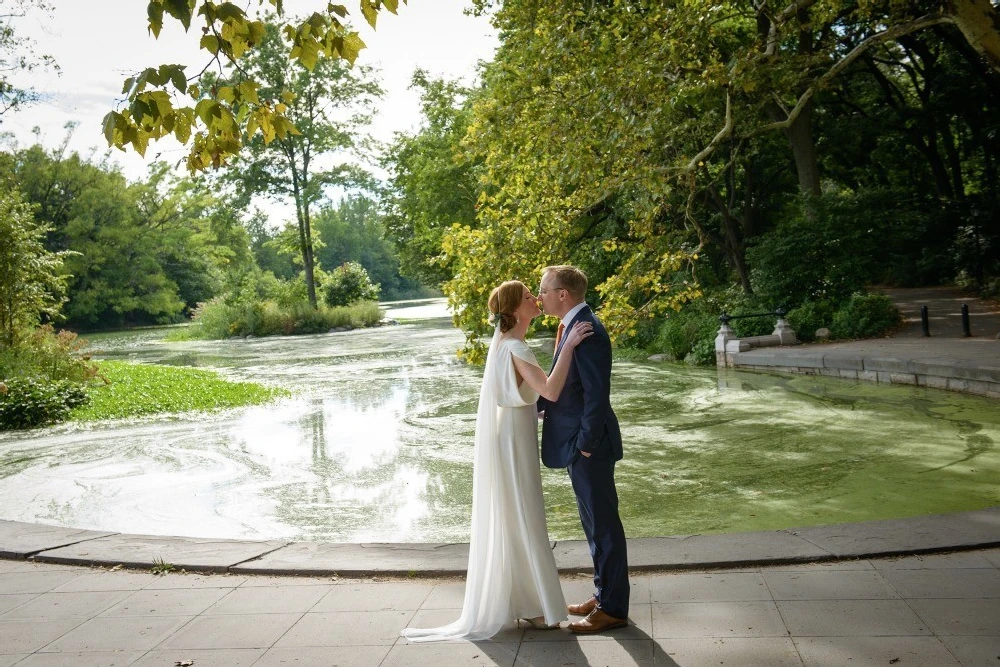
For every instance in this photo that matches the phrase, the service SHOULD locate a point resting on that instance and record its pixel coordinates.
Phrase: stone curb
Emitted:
(871, 539)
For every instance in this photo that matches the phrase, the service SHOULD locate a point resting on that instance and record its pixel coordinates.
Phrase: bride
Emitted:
(512, 572)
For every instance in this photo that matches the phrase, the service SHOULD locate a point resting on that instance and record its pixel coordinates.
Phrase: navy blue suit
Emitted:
(582, 421)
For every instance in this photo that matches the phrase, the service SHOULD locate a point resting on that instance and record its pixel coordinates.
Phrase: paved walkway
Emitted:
(945, 360)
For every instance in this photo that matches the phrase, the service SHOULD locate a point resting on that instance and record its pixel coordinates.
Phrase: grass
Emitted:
(217, 320)
(135, 390)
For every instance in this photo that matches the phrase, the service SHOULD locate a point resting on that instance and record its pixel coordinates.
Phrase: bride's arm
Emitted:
(549, 387)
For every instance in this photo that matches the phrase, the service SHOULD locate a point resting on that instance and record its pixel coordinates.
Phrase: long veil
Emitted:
(486, 607)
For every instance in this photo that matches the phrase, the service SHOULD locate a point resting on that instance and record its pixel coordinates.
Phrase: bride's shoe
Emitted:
(537, 623)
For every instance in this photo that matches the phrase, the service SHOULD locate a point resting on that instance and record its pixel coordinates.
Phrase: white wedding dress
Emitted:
(512, 571)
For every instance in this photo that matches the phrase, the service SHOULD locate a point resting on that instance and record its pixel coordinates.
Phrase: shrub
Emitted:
(347, 284)
(809, 317)
(218, 319)
(684, 331)
(29, 402)
(865, 316)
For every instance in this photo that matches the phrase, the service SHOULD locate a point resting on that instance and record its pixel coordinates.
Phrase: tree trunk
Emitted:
(800, 136)
(979, 22)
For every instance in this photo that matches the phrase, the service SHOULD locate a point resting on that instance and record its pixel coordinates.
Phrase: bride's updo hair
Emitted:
(504, 302)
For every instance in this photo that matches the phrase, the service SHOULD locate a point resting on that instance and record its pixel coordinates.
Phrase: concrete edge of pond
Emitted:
(970, 366)
(870, 539)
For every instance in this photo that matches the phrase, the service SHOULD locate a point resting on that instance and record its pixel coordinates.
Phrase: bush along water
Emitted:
(31, 402)
(43, 378)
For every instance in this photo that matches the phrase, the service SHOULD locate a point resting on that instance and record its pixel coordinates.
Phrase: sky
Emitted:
(99, 43)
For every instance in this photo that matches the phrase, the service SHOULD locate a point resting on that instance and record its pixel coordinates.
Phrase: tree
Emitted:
(433, 180)
(218, 125)
(328, 105)
(18, 56)
(32, 284)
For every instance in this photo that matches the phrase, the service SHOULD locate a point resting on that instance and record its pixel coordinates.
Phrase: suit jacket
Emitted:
(582, 419)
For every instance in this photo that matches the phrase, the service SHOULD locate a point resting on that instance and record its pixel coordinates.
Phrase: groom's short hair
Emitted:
(570, 278)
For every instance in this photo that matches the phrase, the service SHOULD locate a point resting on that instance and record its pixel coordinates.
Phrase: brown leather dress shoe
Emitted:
(582, 609)
(596, 622)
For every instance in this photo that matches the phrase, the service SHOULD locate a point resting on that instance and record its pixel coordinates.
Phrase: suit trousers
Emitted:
(597, 499)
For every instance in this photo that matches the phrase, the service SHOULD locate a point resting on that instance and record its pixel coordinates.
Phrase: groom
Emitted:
(580, 433)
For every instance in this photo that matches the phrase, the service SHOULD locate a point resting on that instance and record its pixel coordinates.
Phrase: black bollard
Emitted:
(924, 322)
(966, 328)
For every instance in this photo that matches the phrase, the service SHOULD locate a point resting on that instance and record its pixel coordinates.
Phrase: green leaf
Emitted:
(369, 11)
(351, 47)
(154, 12)
(180, 10)
(109, 122)
(210, 43)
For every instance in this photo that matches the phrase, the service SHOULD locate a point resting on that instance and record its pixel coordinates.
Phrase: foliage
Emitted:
(218, 319)
(144, 252)
(433, 180)
(810, 316)
(349, 283)
(684, 333)
(353, 230)
(223, 118)
(27, 402)
(31, 279)
(19, 57)
(329, 104)
(49, 355)
(135, 390)
(865, 316)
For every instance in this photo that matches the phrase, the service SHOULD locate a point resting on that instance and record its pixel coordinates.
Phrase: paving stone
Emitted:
(82, 659)
(717, 619)
(860, 618)
(739, 651)
(327, 656)
(829, 585)
(111, 634)
(873, 651)
(8, 602)
(448, 595)
(142, 551)
(913, 535)
(66, 605)
(728, 550)
(825, 566)
(202, 658)
(975, 650)
(261, 580)
(992, 556)
(851, 362)
(375, 597)
(478, 654)
(9, 659)
(180, 602)
(959, 617)
(887, 364)
(717, 587)
(638, 652)
(946, 583)
(29, 636)
(266, 600)
(107, 581)
(20, 540)
(227, 632)
(344, 628)
(580, 588)
(360, 559)
(13, 583)
(958, 559)
(188, 580)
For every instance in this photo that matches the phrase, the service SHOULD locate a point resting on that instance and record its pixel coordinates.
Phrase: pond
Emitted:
(376, 446)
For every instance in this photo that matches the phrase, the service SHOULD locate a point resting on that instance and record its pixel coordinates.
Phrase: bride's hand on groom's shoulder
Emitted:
(578, 333)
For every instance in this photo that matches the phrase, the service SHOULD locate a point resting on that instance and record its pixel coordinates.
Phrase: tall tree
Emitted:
(329, 106)
(32, 283)
(433, 180)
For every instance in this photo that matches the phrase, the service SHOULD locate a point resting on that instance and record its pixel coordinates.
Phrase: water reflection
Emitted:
(376, 445)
